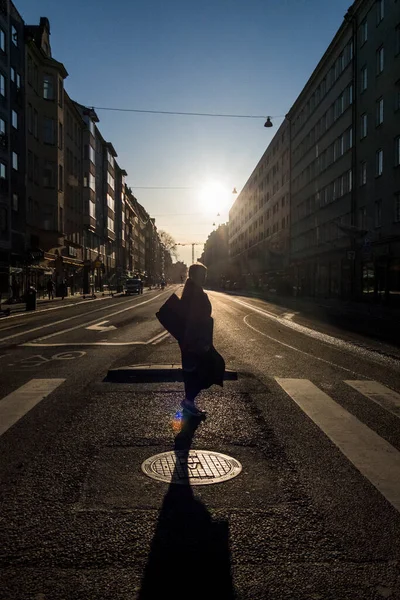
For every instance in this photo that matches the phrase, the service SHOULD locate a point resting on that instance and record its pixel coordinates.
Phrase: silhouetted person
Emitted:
(202, 365)
(50, 289)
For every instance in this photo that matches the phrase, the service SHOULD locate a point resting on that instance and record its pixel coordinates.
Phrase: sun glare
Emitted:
(214, 197)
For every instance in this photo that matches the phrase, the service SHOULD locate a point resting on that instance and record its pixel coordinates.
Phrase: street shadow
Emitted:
(189, 555)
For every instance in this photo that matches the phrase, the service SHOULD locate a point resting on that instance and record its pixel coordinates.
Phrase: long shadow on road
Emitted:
(189, 556)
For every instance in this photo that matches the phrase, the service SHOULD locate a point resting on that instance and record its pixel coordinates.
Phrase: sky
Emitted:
(247, 57)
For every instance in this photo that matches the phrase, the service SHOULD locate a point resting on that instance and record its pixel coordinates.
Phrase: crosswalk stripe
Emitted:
(373, 456)
(18, 403)
(379, 393)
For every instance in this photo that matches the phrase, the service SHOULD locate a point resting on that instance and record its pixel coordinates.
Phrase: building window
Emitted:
(111, 202)
(397, 151)
(379, 162)
(2, 127)
(15, 202)
(379, 112)
(48, 174)
(364, 31)
(60, 136)
(3, 170)
(48, 87)
(380, 10)
(92, 210)
(2, 85)
(30, 165)
(30, 118)
(364, 125)
(48, 131)
(350, 137)
(378, 213)
(14, 36)
(12, 74)
(110, 224)
(349, 180)
(364, 78)
(363, 173)
(2, 40)
(60, 178)
(18, 81)
(380, 58)
(14, 119)
(35, 124)
(110, 180)
(15, 161)
(397, 207)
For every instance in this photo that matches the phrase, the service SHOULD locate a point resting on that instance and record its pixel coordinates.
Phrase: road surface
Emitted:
(313, 419)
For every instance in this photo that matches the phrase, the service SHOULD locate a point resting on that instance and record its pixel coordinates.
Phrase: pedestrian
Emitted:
(202, 365)
(50, 289)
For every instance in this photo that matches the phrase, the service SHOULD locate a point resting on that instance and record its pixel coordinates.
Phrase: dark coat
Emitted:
(189, 321)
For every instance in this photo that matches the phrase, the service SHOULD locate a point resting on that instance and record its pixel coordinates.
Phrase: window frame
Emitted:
(379, 163)
(379, 112)
(14, 116)
(380, 60)
(14, 160)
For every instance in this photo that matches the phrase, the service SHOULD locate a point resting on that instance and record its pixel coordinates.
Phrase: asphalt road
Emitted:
(313, 419)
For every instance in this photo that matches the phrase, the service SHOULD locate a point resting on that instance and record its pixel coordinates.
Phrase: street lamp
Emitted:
(268, 122)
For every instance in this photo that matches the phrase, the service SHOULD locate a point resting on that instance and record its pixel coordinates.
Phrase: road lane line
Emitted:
(373, 456)
(379, 393)
(75, 317)
(18, 403)
(330, 340)
(84, 325)
(161, 339)
(156, 337)
(328, 362)
(61, 321)
(39, 345)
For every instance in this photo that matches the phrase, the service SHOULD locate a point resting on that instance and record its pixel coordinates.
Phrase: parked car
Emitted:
(133, 286)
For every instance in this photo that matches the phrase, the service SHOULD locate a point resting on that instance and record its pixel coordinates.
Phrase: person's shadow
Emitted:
(189, 556)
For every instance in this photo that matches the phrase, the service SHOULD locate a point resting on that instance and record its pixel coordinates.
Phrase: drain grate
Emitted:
(196, 467)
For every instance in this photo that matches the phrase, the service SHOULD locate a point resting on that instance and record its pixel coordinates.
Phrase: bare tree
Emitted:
(168, 242)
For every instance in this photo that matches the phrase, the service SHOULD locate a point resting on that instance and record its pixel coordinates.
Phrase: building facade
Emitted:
(322, 143)
(344, 171)
(45, 154)
(259, 220)
(12, 150)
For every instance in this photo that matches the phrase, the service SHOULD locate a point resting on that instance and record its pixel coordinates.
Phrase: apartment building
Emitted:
(12, 148)
(45, 152)
(377, 151)
(120, 219)
(73, 252)
(322, 142)
(345, 128)
(259, 220)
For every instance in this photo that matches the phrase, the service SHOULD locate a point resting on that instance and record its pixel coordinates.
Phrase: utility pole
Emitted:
(193, 244)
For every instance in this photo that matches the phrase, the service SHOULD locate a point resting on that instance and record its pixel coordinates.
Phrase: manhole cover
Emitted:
(196, 467)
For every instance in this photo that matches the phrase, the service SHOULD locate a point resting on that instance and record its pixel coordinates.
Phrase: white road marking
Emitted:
(161, 339)
(14, 335)
(373, 456)
(18, 403)
(156, 337)
(379, 393)
(84, 325)
(328, 362)
(61, 344)
(100, 326)
(321, 337)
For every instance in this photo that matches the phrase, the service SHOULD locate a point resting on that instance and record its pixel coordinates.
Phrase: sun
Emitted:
(214, 197)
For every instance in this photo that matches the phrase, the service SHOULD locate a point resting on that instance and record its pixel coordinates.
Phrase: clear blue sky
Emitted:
(223, 56)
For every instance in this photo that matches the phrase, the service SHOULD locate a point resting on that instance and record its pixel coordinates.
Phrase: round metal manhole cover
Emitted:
(196, 467)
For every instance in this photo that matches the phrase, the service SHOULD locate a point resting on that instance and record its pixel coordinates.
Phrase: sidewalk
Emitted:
(57, 301)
